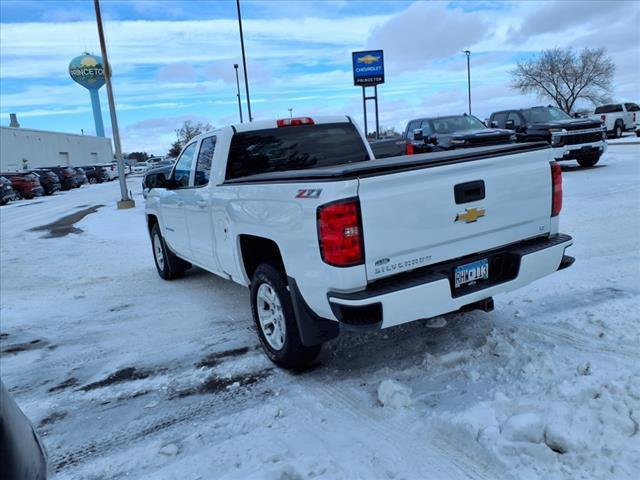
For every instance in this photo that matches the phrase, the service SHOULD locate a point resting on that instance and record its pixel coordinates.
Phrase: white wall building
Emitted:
(23, 149)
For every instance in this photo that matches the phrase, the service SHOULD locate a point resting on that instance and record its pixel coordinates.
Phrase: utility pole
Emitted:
(235, 66)
(290, 112)
(468, 54)
(125, 202)
(244, 62)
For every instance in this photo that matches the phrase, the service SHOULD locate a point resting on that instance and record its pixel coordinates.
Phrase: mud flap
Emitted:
(313, 329)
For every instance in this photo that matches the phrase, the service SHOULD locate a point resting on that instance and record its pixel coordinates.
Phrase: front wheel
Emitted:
(93, 181)
(18, 195)
(275, 320)
(169, 266)
(589, 161)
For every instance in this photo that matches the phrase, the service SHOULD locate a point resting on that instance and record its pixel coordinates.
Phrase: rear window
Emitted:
(609, 108)
(294, 148)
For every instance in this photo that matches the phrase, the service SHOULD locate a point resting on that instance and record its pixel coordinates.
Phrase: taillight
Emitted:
(340, 233)
(634, 117)
(410, 150)
(556, 189)
(603, 118)
(292, 122)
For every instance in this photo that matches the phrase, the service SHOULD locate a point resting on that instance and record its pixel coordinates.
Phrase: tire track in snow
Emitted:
(444, 459)
(580, 341)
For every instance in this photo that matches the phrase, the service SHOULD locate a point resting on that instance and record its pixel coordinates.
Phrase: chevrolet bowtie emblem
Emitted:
(368, 59)
(470, 215)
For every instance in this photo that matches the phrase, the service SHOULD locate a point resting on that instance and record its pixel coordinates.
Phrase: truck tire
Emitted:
(588, 161)
(168, 265)
(617, 130)
(275, 320)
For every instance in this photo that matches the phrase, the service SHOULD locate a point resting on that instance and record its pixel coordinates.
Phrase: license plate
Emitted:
(471, 272)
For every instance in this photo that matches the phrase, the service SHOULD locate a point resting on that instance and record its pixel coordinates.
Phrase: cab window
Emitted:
(205, 157)
(517, 121)
(182, 172)
(500, 119)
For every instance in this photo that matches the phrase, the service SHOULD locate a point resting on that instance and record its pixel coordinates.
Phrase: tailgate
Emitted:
(412, 219)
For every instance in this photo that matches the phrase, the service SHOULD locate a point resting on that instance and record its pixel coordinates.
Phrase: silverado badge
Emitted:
(470, 215)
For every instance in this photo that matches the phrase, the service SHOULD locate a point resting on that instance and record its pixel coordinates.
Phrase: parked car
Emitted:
(111, 170)
(96, 174)
(153, 179)
(326, 237)
(49, 181)
(66, 175)
(23, 454)
(580, 139)
(80, 177)
(436, 134)
(139, 168)
(7, 193)
(617, 117)
(127, 167)
(26, 185)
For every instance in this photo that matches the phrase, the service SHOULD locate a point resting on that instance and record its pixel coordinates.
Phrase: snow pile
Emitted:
(588, 423)
(393, 394)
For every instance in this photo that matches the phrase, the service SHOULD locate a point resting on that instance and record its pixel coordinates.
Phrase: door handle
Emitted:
(201, 203)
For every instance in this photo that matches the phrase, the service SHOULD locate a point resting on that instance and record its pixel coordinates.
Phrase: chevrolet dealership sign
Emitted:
(368, 67)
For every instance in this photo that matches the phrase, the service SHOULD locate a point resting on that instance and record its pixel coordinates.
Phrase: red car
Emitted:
(26, 185)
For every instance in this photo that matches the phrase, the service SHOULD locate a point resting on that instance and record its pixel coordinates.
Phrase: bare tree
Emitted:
(189, 129)
(565, 76)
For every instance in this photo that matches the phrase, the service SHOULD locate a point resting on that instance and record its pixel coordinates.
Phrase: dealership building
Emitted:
(24, 149)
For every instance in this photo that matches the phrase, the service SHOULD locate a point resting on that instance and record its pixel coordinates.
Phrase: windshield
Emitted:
(456, 124)
(294, 148)
(550, 114)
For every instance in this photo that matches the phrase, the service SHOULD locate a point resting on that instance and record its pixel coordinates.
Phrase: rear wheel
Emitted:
(93, 180)
(169, 266)
(589, 161)
(18, 195)
(275, 320)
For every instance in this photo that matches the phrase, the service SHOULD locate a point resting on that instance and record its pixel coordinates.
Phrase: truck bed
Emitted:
(385, 165)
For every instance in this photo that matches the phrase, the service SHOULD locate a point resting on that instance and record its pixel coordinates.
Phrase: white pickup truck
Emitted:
(327, 237)
(618, 118)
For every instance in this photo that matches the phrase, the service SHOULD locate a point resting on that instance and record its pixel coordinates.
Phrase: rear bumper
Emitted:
(429, 291)
(571, 152)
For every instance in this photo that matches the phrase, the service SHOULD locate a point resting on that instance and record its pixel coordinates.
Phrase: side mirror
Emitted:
(418, 135)
(510, 125)
(494, 124)
(161, 181)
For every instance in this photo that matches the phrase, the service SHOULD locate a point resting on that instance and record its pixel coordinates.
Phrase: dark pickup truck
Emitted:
(436, 134)
(580, 139)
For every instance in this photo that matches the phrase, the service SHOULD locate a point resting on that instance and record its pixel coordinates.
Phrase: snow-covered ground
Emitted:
(126, 375)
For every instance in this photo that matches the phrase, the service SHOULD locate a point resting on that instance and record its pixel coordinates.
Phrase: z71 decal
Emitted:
(309, 193)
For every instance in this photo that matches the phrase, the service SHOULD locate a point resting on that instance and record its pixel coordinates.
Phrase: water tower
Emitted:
(87, 71)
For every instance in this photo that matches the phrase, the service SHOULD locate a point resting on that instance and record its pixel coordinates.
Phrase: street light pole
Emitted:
(244, 62)
(290, 112)
(125, 202)
(235, 65)
(468, 54)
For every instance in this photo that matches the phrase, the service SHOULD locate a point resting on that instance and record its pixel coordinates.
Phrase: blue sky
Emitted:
(173, 60)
